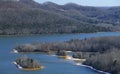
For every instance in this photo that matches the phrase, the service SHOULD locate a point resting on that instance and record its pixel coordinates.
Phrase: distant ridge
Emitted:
(30, 17)
(10, 0)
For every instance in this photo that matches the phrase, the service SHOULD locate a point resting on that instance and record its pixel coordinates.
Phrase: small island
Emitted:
(63, 54)
(78, 57)
(25, 63)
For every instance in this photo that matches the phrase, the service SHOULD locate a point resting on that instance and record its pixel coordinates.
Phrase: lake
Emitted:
(53, 65)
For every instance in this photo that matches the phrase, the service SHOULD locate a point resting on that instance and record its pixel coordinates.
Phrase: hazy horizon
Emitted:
(97, 3)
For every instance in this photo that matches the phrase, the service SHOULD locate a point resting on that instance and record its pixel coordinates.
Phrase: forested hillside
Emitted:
(30, 17)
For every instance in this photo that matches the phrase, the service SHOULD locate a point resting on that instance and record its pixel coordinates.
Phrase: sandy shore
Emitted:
(65, 57)
(68, 51)
(15, 51)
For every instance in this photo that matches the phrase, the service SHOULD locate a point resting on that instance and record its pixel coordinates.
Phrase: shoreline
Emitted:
(94, 69)
(67, 58)
(78, 60)
(18, 66)
(68, 51)
(80, 64)
(30, 69)
(16, 52)
(56, 33)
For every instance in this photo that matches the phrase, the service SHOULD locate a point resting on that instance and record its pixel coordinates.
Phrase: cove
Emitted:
(52, 64)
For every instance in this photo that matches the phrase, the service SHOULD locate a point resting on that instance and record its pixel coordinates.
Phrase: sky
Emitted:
(98, 3)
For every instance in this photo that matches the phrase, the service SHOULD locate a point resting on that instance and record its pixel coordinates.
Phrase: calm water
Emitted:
(52, 64)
